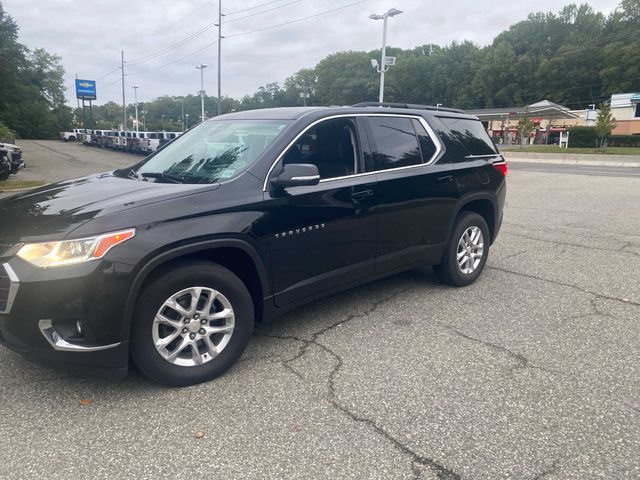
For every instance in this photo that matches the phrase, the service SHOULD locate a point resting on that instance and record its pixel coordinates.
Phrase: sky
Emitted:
(163, 40)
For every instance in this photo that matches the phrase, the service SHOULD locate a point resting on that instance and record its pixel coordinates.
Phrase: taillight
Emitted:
(502, 167)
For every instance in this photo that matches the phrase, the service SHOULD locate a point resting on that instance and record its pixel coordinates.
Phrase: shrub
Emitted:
(583, 137)
(624, 141)
(6, 133)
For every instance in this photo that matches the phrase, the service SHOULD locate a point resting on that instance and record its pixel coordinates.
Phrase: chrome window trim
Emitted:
(480, 157)
(13, 288)
(436, 140)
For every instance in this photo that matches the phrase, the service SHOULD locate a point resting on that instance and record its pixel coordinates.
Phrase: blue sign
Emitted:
(86, 89)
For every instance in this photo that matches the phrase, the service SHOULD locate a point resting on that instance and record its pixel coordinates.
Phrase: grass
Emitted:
(18, 184)
(556, 149)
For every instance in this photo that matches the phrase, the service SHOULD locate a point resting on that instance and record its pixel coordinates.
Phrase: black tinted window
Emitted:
(471, 134)
(395, 141)
(331, 146)
(427, 147)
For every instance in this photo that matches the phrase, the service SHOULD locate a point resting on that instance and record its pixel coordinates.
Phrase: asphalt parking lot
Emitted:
(531, 373)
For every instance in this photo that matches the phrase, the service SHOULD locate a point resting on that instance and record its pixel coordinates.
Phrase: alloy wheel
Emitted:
(470, 250)
(193, 326)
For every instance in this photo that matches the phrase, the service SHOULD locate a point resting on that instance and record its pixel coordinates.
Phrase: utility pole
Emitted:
(135, 93)
(220, 37)
(201, 67)
(124, 103)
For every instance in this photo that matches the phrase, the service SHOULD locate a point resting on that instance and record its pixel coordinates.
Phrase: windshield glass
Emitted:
(213, 151)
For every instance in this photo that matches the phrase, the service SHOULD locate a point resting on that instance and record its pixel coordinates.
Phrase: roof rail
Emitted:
(408, 105)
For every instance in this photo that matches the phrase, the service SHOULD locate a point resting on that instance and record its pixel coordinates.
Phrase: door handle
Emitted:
(361, 194)
(446, 179)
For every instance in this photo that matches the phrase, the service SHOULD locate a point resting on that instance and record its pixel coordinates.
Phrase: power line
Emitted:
(263, 11)
(296, 20)
(253, 8)
(107, 74)
(243, 33)
(182, 18)
(151, 56)
(173, 61)
(109, 84)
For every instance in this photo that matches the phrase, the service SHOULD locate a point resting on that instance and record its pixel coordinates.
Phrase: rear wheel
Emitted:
(191, 324)
(467, 251)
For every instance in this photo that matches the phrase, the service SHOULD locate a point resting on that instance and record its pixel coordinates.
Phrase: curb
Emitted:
(633, 162)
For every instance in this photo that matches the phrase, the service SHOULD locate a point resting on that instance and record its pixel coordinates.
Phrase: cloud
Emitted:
(89, 36)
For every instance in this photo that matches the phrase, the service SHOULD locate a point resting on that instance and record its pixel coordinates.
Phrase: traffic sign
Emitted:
(86, 89)
(389, 61)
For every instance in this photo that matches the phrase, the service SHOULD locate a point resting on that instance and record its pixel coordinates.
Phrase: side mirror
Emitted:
(297, 175)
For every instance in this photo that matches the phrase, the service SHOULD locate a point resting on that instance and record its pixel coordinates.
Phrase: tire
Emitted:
(179, 371)
(450, 271)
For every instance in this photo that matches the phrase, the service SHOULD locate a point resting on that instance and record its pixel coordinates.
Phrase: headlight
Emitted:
(72, 252)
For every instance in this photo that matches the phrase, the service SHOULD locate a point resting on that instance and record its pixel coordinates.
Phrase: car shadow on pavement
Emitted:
(304, 322)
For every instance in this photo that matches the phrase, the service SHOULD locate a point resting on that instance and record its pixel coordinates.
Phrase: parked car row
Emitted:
(137, 142)
(10, 160)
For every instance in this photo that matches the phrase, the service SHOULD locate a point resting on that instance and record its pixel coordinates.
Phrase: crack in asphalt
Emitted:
(513, 255)
(521, 360)
(441, 471)
(590, 233)
(553, 468)
(577, 245)
(590, 212)
(563, 284)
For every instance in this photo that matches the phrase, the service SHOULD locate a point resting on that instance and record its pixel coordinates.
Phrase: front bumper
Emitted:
(70, 316)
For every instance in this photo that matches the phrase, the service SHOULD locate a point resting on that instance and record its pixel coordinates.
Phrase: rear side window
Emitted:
(427, 147)
(471, 134)
(396, 142)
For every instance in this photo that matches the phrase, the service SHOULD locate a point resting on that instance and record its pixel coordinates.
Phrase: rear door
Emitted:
(415, 195)
(323, 236)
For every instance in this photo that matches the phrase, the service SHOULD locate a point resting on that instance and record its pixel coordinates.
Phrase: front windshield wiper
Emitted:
(162, 176)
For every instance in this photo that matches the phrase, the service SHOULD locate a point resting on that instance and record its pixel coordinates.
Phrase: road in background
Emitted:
(532, 372)
(600, 171)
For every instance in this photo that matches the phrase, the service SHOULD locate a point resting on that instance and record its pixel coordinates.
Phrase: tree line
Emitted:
(575, 57)
(32, 97)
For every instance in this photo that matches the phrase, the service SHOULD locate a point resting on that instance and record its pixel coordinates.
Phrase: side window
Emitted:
(395, 141)
(471, 134)
(427, 146)
(331, 146)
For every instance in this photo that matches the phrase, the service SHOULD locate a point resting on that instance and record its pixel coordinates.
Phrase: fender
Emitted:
(490, 196)
(169, 255)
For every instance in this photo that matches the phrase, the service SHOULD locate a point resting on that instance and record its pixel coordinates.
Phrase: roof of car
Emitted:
(295, 113)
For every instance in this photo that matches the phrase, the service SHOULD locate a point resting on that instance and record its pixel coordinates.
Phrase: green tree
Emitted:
(525, 128)
(605, 124)
(31, 86)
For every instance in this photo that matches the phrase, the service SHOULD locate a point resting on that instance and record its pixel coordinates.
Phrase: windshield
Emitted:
(213, 151)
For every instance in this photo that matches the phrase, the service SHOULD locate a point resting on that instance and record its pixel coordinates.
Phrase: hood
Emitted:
(53, 211)
(9, 146)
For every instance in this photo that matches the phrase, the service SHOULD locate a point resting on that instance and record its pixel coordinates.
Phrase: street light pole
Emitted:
(383, 68)
(220, 37)
(135, 94)
(187, 121)
(201, 67)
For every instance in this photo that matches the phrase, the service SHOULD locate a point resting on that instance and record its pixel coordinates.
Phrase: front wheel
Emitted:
(191, 324)
(467, 252)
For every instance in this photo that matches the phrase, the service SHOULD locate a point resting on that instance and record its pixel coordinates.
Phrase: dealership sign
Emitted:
(86, 89)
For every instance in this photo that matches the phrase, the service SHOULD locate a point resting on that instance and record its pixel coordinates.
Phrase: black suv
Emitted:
(244, 217)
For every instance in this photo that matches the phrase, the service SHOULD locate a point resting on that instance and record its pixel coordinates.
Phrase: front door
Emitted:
(324, 236)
